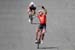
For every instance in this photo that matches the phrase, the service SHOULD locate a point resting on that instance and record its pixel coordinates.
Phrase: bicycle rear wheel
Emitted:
(38, 46)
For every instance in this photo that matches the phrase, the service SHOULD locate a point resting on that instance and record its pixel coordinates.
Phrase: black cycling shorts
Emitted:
(42, 26)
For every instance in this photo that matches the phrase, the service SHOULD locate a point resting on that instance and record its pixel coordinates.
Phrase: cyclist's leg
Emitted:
(38, 37)
(37, 31)
(38, 34)
(43, 31)
(34, 12)
(43, 34)
(30, 18)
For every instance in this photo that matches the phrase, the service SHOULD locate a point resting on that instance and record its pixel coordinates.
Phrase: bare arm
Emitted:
(45, 10)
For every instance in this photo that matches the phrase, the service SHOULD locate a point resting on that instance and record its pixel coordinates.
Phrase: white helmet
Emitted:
(32, 3)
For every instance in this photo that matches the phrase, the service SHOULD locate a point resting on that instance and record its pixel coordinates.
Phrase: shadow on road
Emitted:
(48, 47)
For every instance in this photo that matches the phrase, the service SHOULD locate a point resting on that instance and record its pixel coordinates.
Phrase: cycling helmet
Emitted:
(32, 3)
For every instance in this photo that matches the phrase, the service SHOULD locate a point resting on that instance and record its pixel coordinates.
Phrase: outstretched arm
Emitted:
(45, 10)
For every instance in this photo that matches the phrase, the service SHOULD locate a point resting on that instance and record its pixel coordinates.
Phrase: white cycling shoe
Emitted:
(36, 41)
(29, 21)
(42, 42)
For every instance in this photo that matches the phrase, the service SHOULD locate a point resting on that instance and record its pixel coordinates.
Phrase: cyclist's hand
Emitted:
(43, 7)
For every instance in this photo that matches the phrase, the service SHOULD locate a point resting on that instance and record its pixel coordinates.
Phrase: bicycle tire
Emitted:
(38, 46)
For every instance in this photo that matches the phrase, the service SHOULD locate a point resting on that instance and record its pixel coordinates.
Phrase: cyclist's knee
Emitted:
(44, 31)
(37, 30)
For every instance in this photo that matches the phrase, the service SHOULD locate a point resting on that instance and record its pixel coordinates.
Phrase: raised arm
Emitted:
(45, 10)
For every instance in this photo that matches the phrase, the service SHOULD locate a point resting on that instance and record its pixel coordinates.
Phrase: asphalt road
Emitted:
(16, 33)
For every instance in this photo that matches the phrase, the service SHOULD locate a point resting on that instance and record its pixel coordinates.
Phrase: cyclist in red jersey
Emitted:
(42, 26)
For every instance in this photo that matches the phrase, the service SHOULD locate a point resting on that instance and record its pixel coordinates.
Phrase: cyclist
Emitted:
(31, 11)
(42, 26)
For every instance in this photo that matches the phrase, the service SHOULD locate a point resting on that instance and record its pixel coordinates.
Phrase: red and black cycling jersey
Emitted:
(42, 19)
